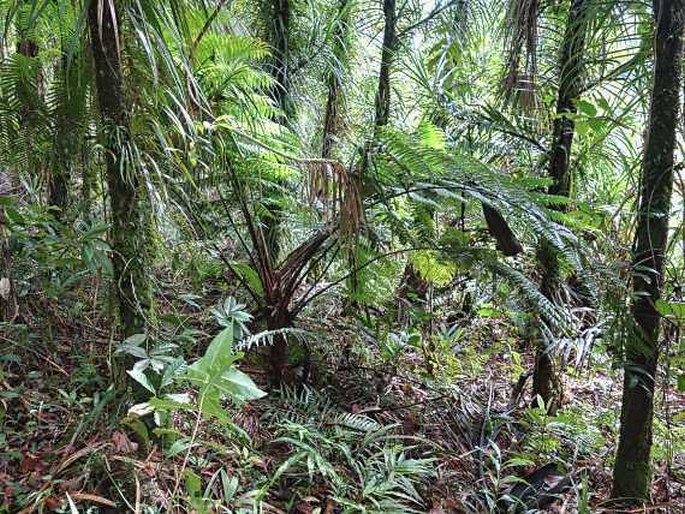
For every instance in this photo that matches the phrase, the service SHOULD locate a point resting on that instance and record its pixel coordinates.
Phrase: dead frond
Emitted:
(335, 191)
(521, 34)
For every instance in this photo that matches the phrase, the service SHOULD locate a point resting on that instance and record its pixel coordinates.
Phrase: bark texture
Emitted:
(546, 383)
(335, 99)
(507, 242)
(129, 226)
(387, 58)
(631, 468)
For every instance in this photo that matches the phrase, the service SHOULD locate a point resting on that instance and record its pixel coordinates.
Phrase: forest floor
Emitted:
(465, 437)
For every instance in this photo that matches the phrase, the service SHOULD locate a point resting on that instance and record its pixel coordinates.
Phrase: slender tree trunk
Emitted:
(128, 231)
(9, 306)
(546, 382)
(280, 46)
(507, 242)
(277, 13)
(279, 318)
(58, 179)
(28, 47)
(387, 58)
(335, 99)
(631, 468)
(381, 118)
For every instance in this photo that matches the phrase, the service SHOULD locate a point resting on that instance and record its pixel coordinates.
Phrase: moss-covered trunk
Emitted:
(546, 382)
(128, 230)
(631, 468)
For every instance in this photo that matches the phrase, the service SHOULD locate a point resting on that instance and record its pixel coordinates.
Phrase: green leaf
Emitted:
(249, 275)
(673, 310)
(193, 484)
(141, 409)
(136, 339)
(240, 386)
(179, 446)
(586, 108)
(14, 216)
(219, 354)
(139, 376)
(174, 370)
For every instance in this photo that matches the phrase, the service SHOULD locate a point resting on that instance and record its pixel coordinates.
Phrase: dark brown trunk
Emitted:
(382, 106)
(279, 14)
(631, 468)
(546, 383)
(278, 318)
(332, 116)
(128, 230)
(334, 101)
(387, 58)
(57, 179)
(507, 242)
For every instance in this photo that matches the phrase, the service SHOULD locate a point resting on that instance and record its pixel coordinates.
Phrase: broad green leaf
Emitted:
(140, 377)
(135, 339)
(249, 275)
(179, 446)
(219, 354)
(241, 386)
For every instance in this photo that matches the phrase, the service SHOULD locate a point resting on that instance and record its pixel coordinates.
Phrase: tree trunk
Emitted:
(387, 58)
(546, 382)
(335, 100)
(507, 242)
(9, 306)
(382, 107)
(278, 318)
(277, 14)
(128, 231)
(58, 179)
(27, 46)
(631, 468)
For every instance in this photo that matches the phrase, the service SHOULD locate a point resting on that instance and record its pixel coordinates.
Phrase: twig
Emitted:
(37, 353)
(205, 28)
(435, 12)
(193, 437)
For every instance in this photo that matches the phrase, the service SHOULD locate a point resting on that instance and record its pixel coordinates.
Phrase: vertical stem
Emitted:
(631, 468)
(335, 100)
(387, 58)
(9, 306)
(128, 231)
(278, 14)
(546, 383)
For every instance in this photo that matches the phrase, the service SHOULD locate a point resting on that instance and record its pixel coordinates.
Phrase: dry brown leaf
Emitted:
(122, 444)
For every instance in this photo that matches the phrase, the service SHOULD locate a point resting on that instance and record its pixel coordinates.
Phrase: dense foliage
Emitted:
(356, 256)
